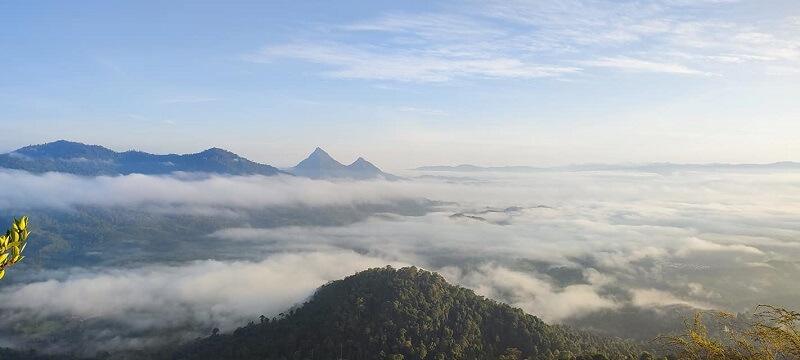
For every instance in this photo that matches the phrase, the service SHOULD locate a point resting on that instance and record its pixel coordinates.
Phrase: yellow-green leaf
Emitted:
(2, 273)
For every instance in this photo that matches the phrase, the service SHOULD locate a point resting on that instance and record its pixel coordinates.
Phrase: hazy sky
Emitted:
(409, 83)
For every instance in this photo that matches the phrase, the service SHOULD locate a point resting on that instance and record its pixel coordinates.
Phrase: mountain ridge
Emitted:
(96, 160)
(650, 167)
(93, 160)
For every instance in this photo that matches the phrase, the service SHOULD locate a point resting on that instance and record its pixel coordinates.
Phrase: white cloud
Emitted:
(188, 100)
(424, 111)
(532, 294)
(64, 190)
(629, 64)
(204, 293)
(524, 40)
(699, 245)
(655, 298)
(622, 239)
(419, 66)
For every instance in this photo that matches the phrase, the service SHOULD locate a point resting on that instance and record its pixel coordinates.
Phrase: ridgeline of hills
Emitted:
(658, 168)
(386, 313)
(94, 160)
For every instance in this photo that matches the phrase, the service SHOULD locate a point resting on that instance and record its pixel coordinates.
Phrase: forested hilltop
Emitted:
(408, 313)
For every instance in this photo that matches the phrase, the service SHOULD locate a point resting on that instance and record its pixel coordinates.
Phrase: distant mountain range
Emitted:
(81, 159)
(653, 168)
(320, 165)
(94, 160)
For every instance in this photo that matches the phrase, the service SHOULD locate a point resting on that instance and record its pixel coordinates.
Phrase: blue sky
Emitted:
(409, 83)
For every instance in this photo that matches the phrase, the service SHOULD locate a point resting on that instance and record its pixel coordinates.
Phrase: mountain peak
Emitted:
(318, 152)
(63, 149)
(321, 165)
(64, 142)
(215, 151)
(319, 160)
(362, 164)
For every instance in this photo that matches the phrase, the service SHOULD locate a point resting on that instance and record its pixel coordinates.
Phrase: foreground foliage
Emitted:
(404, 314)
(772, 333)
(13, 243)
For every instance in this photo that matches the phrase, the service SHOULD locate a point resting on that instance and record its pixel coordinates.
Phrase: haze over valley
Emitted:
(411, 180)
(130, 261)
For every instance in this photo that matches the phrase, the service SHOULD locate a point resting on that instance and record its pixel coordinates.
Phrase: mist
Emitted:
(561, 246)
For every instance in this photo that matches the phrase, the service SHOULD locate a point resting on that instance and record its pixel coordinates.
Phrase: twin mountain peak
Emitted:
(321, 165)
(93, 160)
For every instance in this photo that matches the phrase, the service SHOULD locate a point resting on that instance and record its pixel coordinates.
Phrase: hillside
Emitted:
(93, 160)
(402, 314)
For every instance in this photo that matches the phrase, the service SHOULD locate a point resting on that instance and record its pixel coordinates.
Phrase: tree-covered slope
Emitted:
(403, 314)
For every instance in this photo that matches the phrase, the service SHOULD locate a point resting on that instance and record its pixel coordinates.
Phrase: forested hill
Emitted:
(403, 314)
(92, 160)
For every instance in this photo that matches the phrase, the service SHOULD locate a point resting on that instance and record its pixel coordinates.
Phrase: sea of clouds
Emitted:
(628, 239)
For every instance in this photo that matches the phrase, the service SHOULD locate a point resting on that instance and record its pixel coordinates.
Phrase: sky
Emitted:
(410, 83)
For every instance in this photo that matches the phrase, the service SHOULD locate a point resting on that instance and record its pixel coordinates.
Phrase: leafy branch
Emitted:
(13, 243)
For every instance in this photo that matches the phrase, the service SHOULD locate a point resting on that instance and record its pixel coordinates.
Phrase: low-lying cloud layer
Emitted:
(559, 245)
(60, 190)
(140, 306)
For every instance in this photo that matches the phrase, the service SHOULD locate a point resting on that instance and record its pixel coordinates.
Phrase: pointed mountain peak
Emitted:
(362, 163)
(319, 159)
(363, 168)
(321, 165)
(319, 153)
